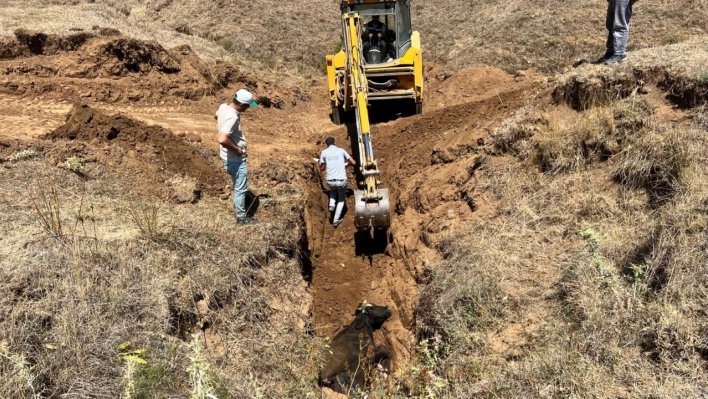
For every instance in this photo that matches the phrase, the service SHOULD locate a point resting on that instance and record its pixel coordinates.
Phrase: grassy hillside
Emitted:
(589, 278)
(291, 38)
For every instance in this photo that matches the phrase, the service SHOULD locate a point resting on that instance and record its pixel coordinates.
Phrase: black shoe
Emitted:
(609, 54)
(246, 221)
(615, 59)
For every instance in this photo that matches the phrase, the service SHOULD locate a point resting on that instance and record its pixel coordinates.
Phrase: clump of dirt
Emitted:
(108, 31)
(159, 147)
(27, 43)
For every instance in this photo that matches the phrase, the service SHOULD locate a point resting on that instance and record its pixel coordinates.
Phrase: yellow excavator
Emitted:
(376, 64)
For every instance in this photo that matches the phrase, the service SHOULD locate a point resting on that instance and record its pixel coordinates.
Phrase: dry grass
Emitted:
(70, 307)
(700, 118)
(547, 36)
(290, 39)
(589, 280)
(514, 134)
(679, 69)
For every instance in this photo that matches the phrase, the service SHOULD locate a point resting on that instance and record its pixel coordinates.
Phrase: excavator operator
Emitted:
(375, 34)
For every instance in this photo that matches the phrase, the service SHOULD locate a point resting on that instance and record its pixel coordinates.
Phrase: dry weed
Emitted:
(183, 189)
(700, 118)
(514, 133)
(22, 155)
(656, 160)
(70, 308)
(678, 69)
(602, 287)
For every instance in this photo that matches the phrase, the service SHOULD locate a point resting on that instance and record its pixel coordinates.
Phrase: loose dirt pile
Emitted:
(29, 43)
(117, 137)
(116, 69)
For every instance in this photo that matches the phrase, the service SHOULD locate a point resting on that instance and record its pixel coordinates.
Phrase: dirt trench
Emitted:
(350, 267)
(428, 162)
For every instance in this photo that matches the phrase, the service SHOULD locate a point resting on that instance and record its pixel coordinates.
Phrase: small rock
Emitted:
(193, 137)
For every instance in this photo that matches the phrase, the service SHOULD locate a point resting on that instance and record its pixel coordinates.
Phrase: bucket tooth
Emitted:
(375, 214)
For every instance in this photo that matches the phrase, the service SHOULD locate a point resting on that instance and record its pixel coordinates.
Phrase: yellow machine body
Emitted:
(399, 77)
(372, 209)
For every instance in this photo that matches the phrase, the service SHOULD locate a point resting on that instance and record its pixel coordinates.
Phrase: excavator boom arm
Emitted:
(372, 205)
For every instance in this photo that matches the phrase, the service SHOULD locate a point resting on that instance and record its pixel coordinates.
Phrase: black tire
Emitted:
(336, 116)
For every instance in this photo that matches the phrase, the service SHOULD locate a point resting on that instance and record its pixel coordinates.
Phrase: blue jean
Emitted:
(239, 176)
(619, 16)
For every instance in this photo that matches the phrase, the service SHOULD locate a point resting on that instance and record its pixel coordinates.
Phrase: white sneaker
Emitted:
(331, 208)
(337, 222)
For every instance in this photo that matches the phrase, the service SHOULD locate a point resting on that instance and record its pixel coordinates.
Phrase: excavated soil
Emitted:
(117, 69)
(154, 145)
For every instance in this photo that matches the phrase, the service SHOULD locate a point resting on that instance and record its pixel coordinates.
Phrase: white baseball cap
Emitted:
(244, 96)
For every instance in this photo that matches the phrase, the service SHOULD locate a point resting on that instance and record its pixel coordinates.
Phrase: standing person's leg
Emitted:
(609, 24)
(622, 15)
(240, 188)
(341, 199)
(239, 177)
(332, 197)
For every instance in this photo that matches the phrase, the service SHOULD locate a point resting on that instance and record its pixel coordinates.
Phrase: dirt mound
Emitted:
(171, 155)
(448, 88)
(122, 56)
(116, 69)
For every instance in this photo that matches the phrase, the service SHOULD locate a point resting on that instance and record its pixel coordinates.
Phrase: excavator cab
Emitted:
(393, 67)
(379, 32)
(396, 18)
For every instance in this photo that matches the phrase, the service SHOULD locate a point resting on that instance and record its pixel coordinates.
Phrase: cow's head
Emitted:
(371, 314)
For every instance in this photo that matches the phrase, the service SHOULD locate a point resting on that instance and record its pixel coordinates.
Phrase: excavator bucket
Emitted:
(374, 214)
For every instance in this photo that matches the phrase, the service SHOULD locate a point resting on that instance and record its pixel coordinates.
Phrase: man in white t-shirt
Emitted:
(233, 151)
(334, 160)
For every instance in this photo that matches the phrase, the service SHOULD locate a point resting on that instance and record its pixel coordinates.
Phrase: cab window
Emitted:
(404, 22)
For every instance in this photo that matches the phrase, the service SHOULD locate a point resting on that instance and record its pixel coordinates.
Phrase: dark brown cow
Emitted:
(353, 355)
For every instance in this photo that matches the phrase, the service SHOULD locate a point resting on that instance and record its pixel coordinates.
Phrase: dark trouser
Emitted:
(619, 14)
(337, 197)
